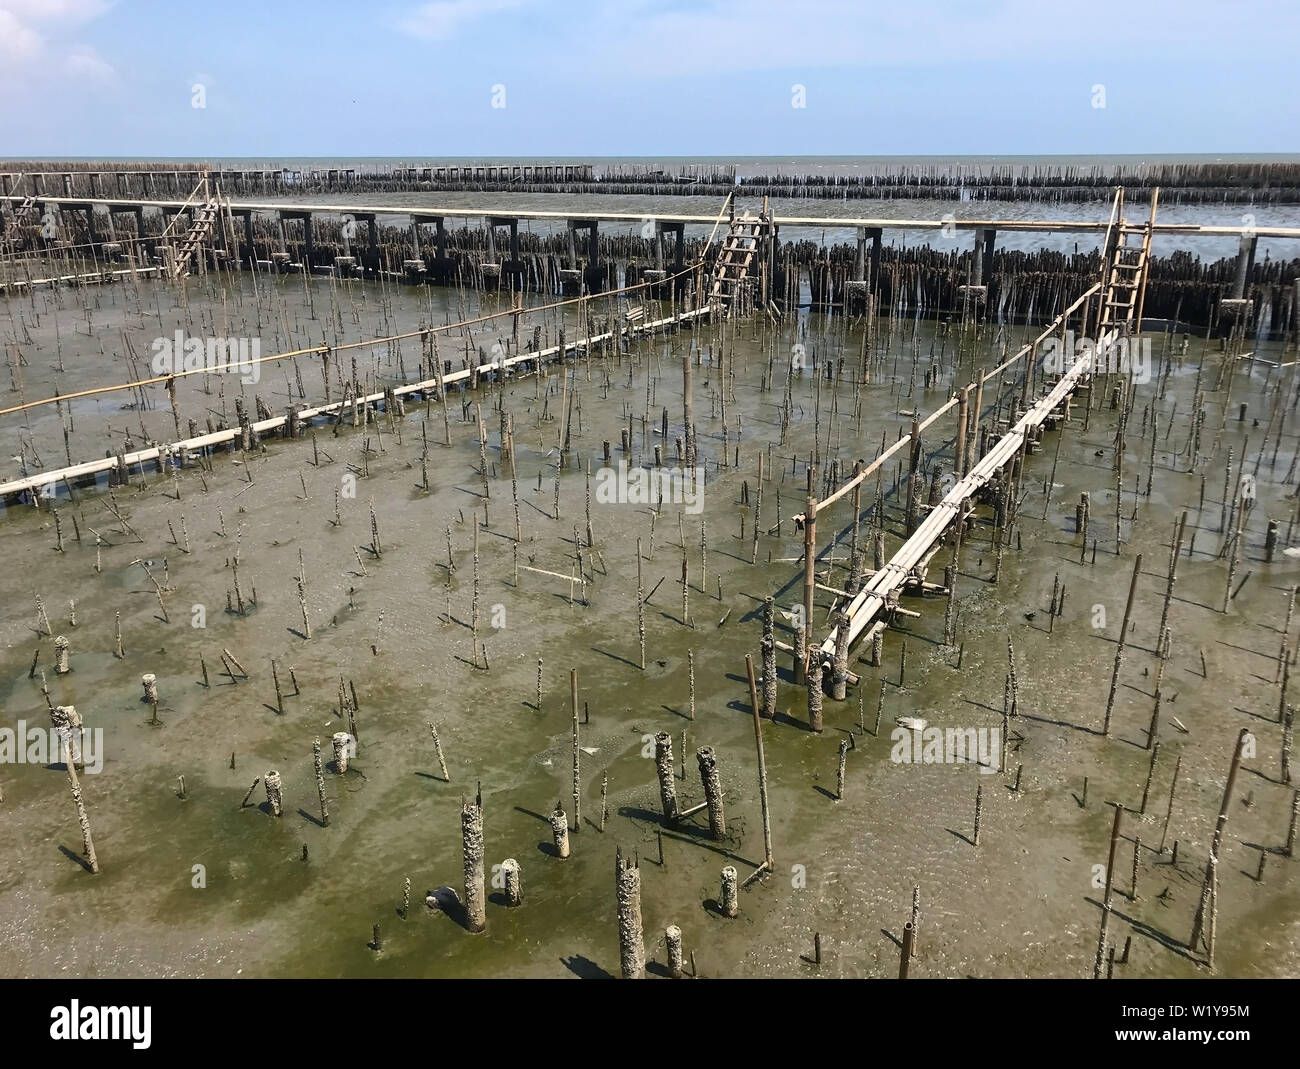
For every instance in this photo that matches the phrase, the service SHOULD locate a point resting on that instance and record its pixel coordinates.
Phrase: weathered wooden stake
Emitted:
(673, 941)
(1198, 923)
(729, 900)
(1291, 829)
(437, 749)
(274, 792)
(577, 752)
(708, 763)
(320, 782)
(560, 831)
(667, 776)
(1105, 906)
(87, 842)
(631, 938)
(1119, 648)
(510, 876)
(1151, 770)
(471, 831)
(342, 743)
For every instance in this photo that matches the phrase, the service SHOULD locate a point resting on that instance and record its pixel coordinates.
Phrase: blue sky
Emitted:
(98, 78)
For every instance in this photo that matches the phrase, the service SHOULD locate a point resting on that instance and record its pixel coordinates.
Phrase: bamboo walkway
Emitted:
(229, 434)
(1079, 226)
(872, 607)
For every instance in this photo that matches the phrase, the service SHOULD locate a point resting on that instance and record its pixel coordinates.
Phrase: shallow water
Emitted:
(1022, 903)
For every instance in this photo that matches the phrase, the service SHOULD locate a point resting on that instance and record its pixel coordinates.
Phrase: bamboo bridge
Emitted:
(1108, 310)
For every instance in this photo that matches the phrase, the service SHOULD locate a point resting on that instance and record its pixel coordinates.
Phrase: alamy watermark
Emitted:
(920, 745)
(1122, 356)
(23, 745)
(234, 356)
(76, 1021)
(651, 486)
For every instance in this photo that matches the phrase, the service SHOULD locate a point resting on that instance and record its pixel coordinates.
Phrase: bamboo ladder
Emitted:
(1127, 262)
(736, 258)
(205, 219)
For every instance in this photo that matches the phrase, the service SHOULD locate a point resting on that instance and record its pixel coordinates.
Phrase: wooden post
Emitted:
(673, 941)
(729, 899)
(972, 444)
(577, 772)
(1105, 906)
(1291, 829)
(688, 412)
(814, 688)
(809, 574)
(1123, 637)
(342, 743)
(510, 875)
(1177, 549)
(437, 749)
(631, 940)
(471, 831)
(667, 776)
(840, 665)
(604, 798)
(87, 842)
(320, 782)
(963, 414)
(1198, 924)
(274, 792)
(1151, 771)
(769, 659)
(708, 763)
(916, 915)
(762, 769)
(913, 468)
(560, 831)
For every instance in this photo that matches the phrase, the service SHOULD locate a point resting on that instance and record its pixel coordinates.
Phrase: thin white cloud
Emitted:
(66, 11)
(440, 20)
(18, 42)
(31, 42)
(84, 62)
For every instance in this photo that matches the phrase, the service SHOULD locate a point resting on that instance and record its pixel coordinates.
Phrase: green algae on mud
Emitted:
(1024, 902)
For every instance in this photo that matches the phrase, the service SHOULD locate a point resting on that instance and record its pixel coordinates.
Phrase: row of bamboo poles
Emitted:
(915, 280)
(1180, 183)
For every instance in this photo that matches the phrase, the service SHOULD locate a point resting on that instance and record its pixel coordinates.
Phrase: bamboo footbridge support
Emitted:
(878, 600)
(1115, 313)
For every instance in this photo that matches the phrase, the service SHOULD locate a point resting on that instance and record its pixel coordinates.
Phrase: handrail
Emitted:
(228, 434)
(861, 476)
(322, 349)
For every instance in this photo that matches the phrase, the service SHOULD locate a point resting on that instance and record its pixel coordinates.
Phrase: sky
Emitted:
(723, 78)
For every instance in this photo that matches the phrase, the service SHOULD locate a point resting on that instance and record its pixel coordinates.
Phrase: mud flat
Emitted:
(433, 605)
